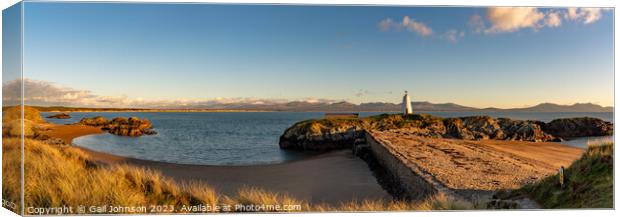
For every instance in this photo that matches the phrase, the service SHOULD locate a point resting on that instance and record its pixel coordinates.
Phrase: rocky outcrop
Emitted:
(475, 127)
(331, 134)
(132, 126)
(306, 136)
(485, 127)
(98, 121)
(121, 126)
(524, 130)
(60, 116)
(578, 127)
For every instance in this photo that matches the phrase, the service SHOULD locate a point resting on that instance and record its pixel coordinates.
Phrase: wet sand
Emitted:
(332, 177)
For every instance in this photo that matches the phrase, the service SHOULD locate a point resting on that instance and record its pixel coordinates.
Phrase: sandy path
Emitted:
(331, 178)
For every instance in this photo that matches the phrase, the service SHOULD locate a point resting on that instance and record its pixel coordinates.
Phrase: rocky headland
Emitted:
(330, 134)
(121, 126)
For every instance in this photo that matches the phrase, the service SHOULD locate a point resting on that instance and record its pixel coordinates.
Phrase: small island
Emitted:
(132, 126)
(60, 116)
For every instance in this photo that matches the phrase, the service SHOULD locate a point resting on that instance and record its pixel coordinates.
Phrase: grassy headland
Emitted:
(66, 176)
(589, 182)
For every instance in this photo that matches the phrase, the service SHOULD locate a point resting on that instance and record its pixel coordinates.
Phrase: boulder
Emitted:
(320, 136)
(132, 126)
(578, 127)
(60, 116)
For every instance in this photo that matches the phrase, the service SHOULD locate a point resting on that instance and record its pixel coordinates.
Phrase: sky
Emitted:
(141, 55)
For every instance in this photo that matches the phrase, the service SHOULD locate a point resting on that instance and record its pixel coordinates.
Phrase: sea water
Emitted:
(235, 138)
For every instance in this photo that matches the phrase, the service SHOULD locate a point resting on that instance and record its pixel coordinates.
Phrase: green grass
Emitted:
(589, 182)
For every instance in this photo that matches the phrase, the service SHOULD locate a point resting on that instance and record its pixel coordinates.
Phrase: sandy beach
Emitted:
(332, 177)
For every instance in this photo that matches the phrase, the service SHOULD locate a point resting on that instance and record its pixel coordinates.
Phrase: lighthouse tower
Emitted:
(407, 110)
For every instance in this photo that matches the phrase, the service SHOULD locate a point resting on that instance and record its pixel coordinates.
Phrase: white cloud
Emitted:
(553, 19)
(510, 19)
(454, 35)
(417, 27)
(572, 14)
(585, 15)
(407, 23)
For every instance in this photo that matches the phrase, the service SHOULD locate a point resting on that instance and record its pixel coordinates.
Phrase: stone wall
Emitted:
(410, 184)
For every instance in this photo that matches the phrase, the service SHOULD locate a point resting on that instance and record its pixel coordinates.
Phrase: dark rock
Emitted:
(473, 128)
(486, 127)
(121, 126)
(578, 127)
(523, 130)
(315, 136)
(60, 116)
(132, 126)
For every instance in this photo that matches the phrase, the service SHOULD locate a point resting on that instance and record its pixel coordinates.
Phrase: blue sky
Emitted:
(161, 53)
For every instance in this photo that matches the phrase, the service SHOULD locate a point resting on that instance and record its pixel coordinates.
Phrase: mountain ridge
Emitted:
(344, 106)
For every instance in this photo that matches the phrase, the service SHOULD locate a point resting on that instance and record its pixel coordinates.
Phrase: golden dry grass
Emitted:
(12, 122)
(14, 113)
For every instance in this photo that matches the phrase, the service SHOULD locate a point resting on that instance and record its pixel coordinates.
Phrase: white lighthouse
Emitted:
(407, 110)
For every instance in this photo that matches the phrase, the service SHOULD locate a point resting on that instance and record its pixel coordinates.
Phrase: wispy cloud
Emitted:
(408, 24)
(362, 93)
(43, 93)
(454, 35)
(476, 23)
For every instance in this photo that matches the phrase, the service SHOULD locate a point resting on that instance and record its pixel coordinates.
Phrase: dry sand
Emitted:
(331, 177)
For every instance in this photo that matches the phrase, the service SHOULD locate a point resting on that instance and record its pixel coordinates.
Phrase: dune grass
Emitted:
(589, 182)
(66, 176)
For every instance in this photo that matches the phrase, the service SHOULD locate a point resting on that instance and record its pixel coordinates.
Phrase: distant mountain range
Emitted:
(392, 107)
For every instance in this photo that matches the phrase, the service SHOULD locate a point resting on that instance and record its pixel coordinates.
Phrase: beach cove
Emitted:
(332, 178)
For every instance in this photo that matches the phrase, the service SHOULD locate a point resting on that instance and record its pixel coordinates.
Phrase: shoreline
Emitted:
(331, 177)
